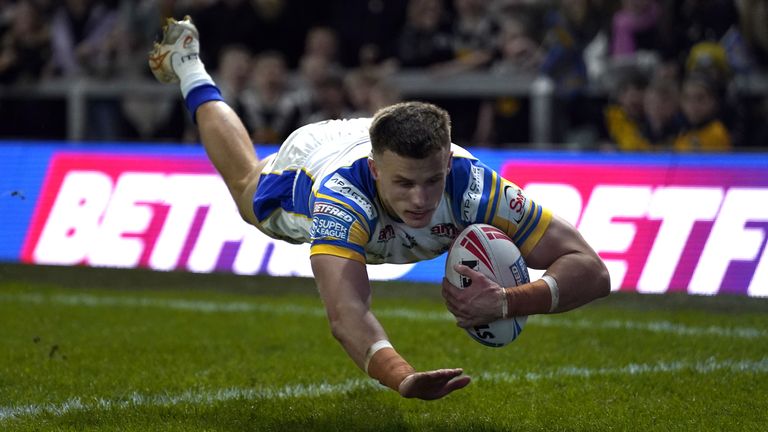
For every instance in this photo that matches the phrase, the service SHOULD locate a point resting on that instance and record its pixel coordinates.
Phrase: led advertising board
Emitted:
(662, 222)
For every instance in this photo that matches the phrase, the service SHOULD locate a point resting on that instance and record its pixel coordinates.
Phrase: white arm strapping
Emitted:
(554, 290)
(372, 350)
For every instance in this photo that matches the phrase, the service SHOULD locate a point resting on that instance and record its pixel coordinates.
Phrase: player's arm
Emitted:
(575, 275)
(346, 293)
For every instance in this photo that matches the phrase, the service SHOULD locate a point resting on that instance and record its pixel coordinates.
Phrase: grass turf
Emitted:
(100, 349)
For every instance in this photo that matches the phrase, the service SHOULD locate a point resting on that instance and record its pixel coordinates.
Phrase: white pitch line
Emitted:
(203, 306)
(138, 400)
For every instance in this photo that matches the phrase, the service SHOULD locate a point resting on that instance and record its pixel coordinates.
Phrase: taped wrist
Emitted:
(529, 299)
(389, 368)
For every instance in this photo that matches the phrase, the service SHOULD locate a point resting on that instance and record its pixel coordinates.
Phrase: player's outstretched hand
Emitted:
(477, 304)
(434, 384)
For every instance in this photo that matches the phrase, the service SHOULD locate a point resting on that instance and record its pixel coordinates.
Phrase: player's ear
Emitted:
(373, 168)
(450, 161)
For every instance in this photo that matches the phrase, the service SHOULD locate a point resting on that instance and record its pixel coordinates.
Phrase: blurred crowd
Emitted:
(635, 75)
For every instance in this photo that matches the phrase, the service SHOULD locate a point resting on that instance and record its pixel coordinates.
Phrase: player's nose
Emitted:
(419, 197)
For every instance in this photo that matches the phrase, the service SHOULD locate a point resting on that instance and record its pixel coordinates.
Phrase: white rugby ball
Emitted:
(491, 252)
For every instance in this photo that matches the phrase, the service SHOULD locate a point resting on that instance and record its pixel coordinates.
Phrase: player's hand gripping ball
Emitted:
(490, 251)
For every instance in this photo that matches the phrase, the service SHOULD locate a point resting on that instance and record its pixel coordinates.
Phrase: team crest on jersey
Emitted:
(515, 203)
(386, 234)
(448, 230)
(471, 199)
(410, 241)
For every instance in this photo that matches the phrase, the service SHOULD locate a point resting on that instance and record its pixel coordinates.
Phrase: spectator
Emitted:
(322, 41)
(383, 94)
(505, 119)
(331, 101)
(233, 75)
(358, 84)
(685, 23)
(475, 33)
(80, 32)
(314, 70)
(25, 47)
(663, 118)
(634, 27)
(367, 30)
(518, 50)
(753, 16)
(704, 130)
(624, 118)
(271, 111)
(571, 31)
(425, 40)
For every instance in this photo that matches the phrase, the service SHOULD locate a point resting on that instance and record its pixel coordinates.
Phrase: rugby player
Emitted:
(391, 189)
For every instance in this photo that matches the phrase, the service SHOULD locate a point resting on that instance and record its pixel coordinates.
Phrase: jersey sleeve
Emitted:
(342, 217)
(480, 195)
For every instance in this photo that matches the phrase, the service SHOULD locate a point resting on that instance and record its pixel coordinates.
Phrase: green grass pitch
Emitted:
(85, 350)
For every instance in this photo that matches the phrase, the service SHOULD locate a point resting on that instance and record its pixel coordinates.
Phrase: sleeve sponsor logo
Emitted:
(330, 221)
(333, 211)
(328, 227)
(339, 184)
(514, 204)
(470, 201)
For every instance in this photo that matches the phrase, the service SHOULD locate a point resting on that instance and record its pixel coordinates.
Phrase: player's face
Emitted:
(411, 189)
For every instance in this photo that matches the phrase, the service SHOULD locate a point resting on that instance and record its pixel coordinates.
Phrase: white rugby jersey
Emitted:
(318, 189)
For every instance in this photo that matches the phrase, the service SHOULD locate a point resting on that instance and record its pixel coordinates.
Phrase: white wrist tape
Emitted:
(554, 290)
(504, 304)
(373, 349)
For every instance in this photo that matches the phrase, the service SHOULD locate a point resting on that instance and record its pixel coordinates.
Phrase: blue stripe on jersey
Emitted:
(456, 184)
(275, 191)
(359, 175)
(458, 181)
(524, 224)
(494, 201)
(521, 237)
(302, 193)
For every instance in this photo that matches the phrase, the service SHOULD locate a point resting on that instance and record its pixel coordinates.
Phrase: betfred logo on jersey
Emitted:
(333, 211)
(662, 227)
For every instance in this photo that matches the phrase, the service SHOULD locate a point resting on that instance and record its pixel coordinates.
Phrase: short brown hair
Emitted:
(411, 129)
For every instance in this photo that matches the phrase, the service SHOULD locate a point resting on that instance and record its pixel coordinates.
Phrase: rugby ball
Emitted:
(491, 252)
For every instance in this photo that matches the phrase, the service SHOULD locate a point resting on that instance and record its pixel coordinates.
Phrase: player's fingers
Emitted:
(446, 373)
(457, 383)
(467, 271)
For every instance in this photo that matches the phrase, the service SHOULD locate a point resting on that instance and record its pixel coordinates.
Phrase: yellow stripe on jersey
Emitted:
(357, 234)
(538, 231)
(492, 196)
(335, 250)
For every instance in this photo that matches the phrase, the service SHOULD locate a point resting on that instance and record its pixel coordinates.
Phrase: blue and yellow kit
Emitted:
(318, 189)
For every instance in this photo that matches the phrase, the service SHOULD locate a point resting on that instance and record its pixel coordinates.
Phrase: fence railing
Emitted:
(539, 89)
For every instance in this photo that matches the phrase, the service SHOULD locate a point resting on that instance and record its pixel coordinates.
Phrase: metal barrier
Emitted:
(539, 89)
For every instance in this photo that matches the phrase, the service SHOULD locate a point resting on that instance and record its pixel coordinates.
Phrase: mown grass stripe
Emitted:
(666, 327)
(138, 400)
